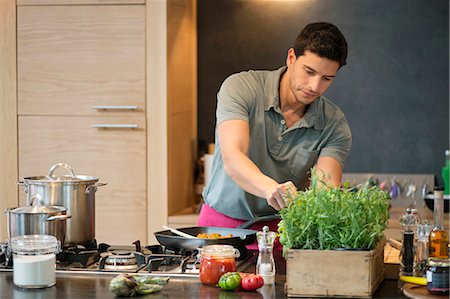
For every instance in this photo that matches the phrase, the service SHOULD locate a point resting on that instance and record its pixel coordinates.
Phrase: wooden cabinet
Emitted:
(81, 100)
(62, 61)
(72, 59)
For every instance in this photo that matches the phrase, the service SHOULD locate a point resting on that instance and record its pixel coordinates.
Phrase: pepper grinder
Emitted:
(265, 265)
(409, 222)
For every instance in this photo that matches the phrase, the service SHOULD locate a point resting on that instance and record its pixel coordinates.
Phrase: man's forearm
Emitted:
(247, 175)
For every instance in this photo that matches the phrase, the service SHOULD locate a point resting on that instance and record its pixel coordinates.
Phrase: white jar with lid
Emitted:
(34, 260)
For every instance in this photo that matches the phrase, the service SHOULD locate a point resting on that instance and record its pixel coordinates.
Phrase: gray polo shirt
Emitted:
(284, 154)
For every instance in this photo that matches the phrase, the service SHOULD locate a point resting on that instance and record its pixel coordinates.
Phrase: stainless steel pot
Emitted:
(37, 219)
(74, 192)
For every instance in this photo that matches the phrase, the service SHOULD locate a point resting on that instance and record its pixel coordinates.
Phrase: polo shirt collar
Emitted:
(312, 117)
(271, 89)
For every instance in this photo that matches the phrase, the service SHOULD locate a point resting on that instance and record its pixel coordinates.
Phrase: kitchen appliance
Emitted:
(37, 219)
(153, 260)
(74, 192)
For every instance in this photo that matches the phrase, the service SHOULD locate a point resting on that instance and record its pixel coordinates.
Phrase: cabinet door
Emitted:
(116, 156)
(74, 58)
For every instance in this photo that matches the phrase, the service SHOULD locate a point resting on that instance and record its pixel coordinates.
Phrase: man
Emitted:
(272, 127)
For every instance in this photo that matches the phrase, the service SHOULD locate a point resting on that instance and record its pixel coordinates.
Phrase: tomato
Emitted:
(230, 281)
(243, 274)
(252, 282)
(211, 269)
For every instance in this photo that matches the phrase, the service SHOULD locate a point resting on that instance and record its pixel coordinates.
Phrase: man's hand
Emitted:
(278, 196)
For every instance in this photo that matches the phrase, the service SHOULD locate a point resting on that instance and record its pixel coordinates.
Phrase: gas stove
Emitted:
(150, 260)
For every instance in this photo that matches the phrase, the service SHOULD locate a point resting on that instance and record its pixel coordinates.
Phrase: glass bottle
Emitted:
(438, 241)
(265, 266)
(409, 223)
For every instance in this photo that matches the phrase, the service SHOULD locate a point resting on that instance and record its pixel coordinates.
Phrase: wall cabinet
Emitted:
(81, 100)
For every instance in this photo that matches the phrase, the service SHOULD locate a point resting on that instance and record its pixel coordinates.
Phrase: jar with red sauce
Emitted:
(215, 261)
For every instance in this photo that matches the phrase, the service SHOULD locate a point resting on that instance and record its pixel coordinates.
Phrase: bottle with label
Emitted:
(438, 242)
(409, 222)
(265, 266)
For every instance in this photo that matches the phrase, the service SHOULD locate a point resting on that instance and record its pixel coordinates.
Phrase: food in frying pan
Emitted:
(213, 236)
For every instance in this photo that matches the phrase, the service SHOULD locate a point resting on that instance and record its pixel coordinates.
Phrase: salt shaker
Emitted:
(265, 265)
(423, 233)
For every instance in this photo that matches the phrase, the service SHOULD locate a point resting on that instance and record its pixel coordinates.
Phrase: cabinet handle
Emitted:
(115, 107)
(115, 126)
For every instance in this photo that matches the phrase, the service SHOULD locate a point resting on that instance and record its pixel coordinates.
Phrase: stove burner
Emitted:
(168, 261)
(77, 258)
(121, 260)
(153, 258)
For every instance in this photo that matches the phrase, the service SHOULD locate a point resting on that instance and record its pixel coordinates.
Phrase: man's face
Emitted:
(310, 75)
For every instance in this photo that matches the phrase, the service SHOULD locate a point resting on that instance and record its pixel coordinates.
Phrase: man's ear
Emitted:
(290, 59)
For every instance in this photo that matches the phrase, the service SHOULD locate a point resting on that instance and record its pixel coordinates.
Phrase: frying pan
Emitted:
(241, 235)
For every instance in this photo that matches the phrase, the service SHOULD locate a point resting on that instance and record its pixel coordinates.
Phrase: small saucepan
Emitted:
(37, 219)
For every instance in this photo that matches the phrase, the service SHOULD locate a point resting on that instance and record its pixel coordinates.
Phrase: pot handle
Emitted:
(64, 165)
(94, 187)
(58, 217)
(22, 184)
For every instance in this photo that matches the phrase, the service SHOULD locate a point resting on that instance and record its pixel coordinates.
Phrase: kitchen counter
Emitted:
(95, 285)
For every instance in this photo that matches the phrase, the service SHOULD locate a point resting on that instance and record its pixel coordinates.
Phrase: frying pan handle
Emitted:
(259, 219)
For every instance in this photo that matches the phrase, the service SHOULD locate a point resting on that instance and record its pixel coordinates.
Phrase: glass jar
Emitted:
(34, 260)
(215, 261)
(438, 276)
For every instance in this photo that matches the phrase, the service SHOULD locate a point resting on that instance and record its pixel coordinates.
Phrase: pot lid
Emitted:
(37, 207)
(70, 178)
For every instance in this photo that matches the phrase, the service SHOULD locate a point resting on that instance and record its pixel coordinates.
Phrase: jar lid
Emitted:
(35, 244)
(218, 251)
(439, 262)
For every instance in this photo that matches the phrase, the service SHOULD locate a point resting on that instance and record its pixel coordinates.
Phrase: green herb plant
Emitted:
(324, 217)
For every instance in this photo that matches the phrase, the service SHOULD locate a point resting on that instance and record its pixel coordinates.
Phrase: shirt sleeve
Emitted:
(234, 99)
(339, 144)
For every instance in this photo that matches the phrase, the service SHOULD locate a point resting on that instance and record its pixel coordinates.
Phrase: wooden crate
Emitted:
(334, 273)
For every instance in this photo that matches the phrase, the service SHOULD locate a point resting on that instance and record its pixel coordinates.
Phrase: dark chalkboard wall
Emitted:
(394, 89)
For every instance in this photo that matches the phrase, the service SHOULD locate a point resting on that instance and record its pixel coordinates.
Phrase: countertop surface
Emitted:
(95, 285)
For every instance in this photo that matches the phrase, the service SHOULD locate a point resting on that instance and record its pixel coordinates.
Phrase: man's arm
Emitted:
(234, 138)
(331, 170)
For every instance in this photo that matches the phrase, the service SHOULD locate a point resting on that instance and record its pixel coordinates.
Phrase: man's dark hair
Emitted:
(323, 39)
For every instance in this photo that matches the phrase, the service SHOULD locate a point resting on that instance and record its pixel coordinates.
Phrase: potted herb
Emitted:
(318, 224)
